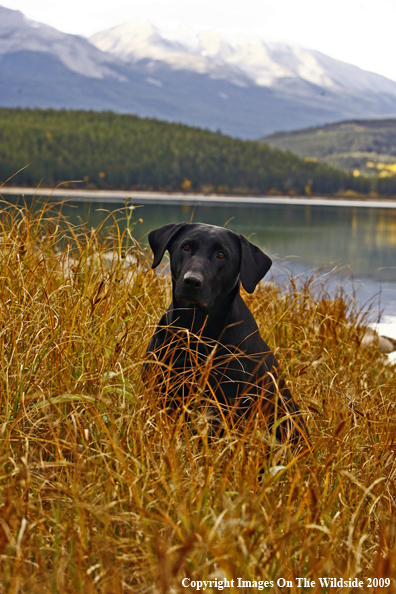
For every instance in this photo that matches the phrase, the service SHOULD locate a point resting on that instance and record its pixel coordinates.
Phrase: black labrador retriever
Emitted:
(208, 341)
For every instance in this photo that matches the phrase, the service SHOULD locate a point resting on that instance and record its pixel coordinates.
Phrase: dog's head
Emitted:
(207, 261)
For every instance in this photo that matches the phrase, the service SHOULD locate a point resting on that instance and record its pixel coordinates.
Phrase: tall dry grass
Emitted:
(101, 492)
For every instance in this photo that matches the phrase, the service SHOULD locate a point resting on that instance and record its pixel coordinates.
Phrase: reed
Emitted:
(103, 491)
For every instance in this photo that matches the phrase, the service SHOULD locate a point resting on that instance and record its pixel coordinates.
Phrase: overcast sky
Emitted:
(361, 32)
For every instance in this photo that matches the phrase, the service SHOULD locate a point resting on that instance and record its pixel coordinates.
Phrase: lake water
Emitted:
(357, 243)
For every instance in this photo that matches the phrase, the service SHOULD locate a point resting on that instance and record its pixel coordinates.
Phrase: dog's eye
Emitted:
(186, 247)
(220, 255)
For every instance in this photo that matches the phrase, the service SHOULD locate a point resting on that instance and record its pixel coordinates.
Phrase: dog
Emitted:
(208, 341)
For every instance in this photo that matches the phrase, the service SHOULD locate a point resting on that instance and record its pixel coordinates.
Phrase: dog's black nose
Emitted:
(193, 279)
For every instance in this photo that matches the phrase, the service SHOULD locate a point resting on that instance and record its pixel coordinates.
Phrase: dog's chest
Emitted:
(192, 363)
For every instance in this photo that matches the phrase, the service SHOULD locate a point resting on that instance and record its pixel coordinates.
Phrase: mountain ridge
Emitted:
(18, 33)
(239, 56)
(43, 67)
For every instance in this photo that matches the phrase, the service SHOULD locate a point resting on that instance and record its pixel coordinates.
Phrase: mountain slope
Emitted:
(36, 79)
(367, 146)
(18, 33)
(239, 58)
(224, 88)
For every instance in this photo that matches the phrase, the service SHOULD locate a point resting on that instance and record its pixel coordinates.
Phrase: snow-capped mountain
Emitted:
(243, 85)
(18, 33)
(239, 58)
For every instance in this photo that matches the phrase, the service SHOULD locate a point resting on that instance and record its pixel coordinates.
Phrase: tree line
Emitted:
(105, 150)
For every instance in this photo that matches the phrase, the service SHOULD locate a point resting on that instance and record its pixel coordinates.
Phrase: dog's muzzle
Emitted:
(191, 288)
(192, 280)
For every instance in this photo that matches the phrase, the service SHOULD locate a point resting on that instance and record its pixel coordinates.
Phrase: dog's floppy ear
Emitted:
(254, 265)
(161, 238)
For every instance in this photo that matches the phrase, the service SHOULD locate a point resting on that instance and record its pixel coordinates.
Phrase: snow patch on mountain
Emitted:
(18, 33)
(236, 57)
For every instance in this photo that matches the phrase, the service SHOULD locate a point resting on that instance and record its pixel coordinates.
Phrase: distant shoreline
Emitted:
(118, 196)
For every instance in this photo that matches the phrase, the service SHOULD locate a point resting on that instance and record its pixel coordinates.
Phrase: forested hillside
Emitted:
(106, 150)
(362, 147)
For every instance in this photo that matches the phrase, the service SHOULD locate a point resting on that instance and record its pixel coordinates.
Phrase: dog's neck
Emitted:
(205, 322)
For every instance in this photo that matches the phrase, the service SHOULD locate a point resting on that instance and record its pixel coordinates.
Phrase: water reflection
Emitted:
(362, 239)
(360, 242)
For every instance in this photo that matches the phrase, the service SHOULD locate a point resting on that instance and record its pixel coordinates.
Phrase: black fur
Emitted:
(208, 337)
